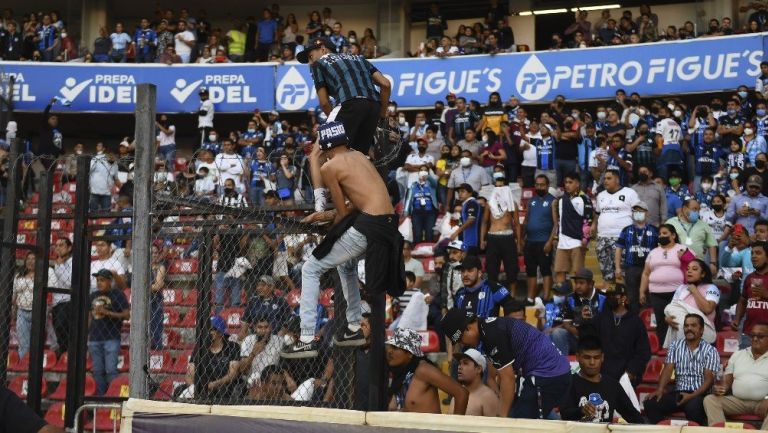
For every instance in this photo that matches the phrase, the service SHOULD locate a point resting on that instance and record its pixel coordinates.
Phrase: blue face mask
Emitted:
(558, 300)
(760, 112)
(731, 111)
(693, 216)
(742, 94)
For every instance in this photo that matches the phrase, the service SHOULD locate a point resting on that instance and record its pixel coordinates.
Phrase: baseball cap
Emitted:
(466, 187)
(203, 90)
(218, 323)
(267, 279)
(583, 274)
(471, 262)
(641, 204)
(475, 356)
(332, 134)
(455, 322)
(104, 273)
(755, 180)
(274, 113)
(739, 228)
(457, 245)
(303, 57)
(563, 288)
(408, 340)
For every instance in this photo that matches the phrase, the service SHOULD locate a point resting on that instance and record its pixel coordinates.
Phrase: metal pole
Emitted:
(203, 326)
(377, 400)
(146, 98)
(8, 258)
(40, 292)
(79, 304)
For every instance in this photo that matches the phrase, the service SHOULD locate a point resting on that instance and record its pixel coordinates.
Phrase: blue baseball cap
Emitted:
(219, 324)
(332, 134)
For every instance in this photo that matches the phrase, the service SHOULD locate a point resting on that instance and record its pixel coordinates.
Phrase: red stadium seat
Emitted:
(184, 267)
(60, 393)
(181, 363)
(430, 342)
(189, 320)
(123, 361)
(735, 425)
(745, 418)
(190, 300)
(104, 420)
(13, 359)
(172, 340)
(118, 387)
(232, 316)
(159, 361)
(19, 386)
(293, 298)
(55, 415)
(678, 422)
(22, 366)
(61, 364)
(171, 296)
(648, 318)
(168, 386)
(653, 341)
(428, 264)
(326, 297)
(171, 317)
(727, 342)
(27, 225)
(653, 370)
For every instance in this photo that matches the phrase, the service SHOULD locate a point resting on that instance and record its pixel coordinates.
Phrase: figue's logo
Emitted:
(292, 91)
(533, 81)
(182, 90)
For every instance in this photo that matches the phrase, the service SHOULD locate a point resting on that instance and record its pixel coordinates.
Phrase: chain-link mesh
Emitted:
(228, 245)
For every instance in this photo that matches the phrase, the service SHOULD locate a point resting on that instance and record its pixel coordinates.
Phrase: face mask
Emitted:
(760, 163)
(675, 181)
(664, 241)
(288, 340)
(731, 111)
(352, 40)
(485, 137)
(748, 131)
(643, 177)
(558, 300)
(760, 112)
(742, 94)
(678, 113)
(390, 109)
(451, 104)
(78, 152)
(465, 162)
(706, 186)
(601, 115)
(445, 155)
(638, 216)
(717, 207)
(251, 130)
(541, 192)
(671, 106)
(641, 112)
(327, 32)
(423, 173)
(212, 138)
(63, 35)
(229, 190)
(717, 107)
(574, 114)
(693, 216)
(734, 176)
(456, 215)
(401, 120)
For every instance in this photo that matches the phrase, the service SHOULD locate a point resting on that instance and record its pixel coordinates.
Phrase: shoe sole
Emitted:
(299, 355)
(349, 343)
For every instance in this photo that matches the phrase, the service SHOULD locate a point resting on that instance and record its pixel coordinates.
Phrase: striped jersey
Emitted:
(690, 366)
(636, 243)
(545, 153)
(345, 77)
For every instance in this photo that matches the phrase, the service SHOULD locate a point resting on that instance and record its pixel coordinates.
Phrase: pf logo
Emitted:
(292, 91)
(533, 81)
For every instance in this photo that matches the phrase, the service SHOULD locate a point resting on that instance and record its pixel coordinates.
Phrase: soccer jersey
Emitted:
(615, 211)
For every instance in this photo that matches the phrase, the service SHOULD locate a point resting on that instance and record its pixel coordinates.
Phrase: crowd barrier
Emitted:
(144, 416)
(690, 66)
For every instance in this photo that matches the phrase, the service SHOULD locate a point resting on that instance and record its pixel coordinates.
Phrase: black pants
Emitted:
(658, 302)
(658, 410)
(539, 395)
(360, 117)
(632, 276)
(60, 318)
(501, 249)
(262, 52)
(529, 176)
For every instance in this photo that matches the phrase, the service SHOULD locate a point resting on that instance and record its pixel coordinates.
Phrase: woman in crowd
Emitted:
(421, 206)
(314, 27)
(291, 29)
(157, 269)
(699, 296)
(23, 285)
(368, 44)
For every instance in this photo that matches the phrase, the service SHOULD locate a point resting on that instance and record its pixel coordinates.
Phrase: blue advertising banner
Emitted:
(112, 88)
(692, 66)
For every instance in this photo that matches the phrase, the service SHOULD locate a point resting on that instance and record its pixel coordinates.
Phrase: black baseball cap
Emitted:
(303, 57)
(104, 273)
(470, 262)
(455, 322)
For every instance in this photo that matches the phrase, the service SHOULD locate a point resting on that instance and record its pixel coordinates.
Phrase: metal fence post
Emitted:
(8, 261)
(203, 325)
(142, 225)
(377, 400)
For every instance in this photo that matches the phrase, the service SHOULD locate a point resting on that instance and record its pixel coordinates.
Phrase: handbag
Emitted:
(687, 257)
(284, 193)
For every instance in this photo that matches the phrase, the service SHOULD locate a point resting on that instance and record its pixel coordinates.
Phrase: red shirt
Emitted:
(757, 308)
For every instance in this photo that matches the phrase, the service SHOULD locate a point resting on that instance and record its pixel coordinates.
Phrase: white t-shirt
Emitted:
(110, 264)
(205, 186)
(415, 159)
(717, 224)
(269, 356)
(566, 242)
(669, 130)
(167, 139)
(452, 50)
(230, 167)
(206, 120)
(615, 211)
(213, 170)
(183, 49)
(529, 156)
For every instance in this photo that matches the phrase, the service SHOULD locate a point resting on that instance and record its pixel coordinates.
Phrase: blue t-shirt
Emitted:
(267, 29)
(545, 153)
(510, 341)
(259, 169)
(673, 204)
(107, 328)
(250, 150)
(214, 148)
(540, 223)
(471, 236)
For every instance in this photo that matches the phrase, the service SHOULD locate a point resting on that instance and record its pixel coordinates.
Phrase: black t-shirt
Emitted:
(607, 396)
(229, 249)
(436, 24)
(610, 130)
(214, 366)
(15, 416)
(107, 328)
(727, 120)
(567, 150)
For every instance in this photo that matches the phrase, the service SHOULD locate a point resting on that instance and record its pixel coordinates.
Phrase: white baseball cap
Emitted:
(474, 355)
(457, 245)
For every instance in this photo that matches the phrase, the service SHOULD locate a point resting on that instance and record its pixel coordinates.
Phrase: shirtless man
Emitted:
(348, 175)
(416, 381)
(482, 400)
(500, 233)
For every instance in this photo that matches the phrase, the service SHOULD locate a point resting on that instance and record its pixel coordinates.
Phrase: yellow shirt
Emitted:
(237, 44)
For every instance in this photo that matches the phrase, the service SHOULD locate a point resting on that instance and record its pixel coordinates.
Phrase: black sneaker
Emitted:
(349, 338)
(300, 350)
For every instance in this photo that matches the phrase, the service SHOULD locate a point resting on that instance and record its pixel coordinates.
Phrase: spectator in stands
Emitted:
(166, 140)
(184, 41)
(581, 25)
(236, 38)
(103, 177)
(468, 173)
(478, 295)
(169, 56)
(109, 308)
(460, 119)
(272, 386)
(647, 29)
(314, 28)
(217, 368)
(695, 233)
(471, 219)
(421, 205)
(580, 311)
(450, 280)
(631, 249)
(446, 48)
(593, 397)
(753, 303)
(652, 195)
(743, 389)
(413, 306)
(694, 363)
(259, 349)
(156, 315)
(338, 39)
(416, 380)
(230, 165)
(436, 23)
(266, 35)
(12, 43)
(145, 41)
(264, 304)
(538, 239)
(62, 279)
(229, 247)
(47, 40)
(285, 179)
(23, 284)
(412, 264)
(471, 143)
(416, 160)
(164, 36)
(746, 209)
(698, 296)
(205, 188)
(104, 260)
(472, 367)
(573, 214)
(625, 338)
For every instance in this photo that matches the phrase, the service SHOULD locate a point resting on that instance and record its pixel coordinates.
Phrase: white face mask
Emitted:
(63, 35)
(78, 152)
(465, 162)
(251, 130)
(485, 138)
(390, 109)
(678, 113)
(401, 120)
(601, 115)
(423, 174)
(638, 216)
(212, 138)
(288, 340)
(641, 112)
(557, 299)
(671, 106)
(706, 186)
(456, 215)
(748, 131)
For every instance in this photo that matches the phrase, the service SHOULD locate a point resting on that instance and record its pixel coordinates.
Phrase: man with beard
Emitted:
(482, 400)
(540, 231)
(478, 295)
(493, 115)
(753, 304)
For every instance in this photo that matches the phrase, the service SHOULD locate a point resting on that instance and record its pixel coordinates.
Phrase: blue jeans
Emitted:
(142, 57)
(168, 154)
(104, 355)
(343, 256)
(156, 324)
(257, 196)
(223, 283)
(563, 340)
(117, 56)
(100, 202)
(539, 395)
(423, 223)
(23, 330)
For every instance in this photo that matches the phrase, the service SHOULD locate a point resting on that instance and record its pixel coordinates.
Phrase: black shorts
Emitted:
(360, 117)
(535, 259)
